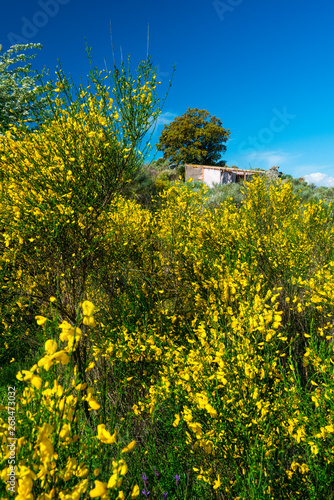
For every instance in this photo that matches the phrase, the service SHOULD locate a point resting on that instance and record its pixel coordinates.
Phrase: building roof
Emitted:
(226, 169)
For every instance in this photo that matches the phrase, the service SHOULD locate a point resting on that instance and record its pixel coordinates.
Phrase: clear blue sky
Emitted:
(265, 68)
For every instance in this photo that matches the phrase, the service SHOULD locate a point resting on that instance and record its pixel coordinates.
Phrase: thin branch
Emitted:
(112, 46)
(148, 38)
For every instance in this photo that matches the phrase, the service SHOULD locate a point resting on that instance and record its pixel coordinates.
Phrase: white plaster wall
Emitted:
(211, 176)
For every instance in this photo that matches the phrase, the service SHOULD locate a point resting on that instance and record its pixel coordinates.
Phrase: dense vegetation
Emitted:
(196, 137)
(21, 91)
(158, 339)
(160, 174)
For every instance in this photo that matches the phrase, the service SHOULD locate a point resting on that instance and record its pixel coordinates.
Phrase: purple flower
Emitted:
(144, 478)
(177, 479)
(164, 495)
(146, 493)
(157, 473)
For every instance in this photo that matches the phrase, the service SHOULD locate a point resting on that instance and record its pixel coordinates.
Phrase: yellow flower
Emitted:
(30, 377)
(176, 421)
(100, 490)
(67, 330)
(45, 430)
(24, 489)
(88, 308)
(65, 430)
(61, 356)
(289, 473)
(136, 410)
(89, 321)
(46, 450)
(71, 465)
(94, 404)
(51, 346)
(119, 467)
(211, 410)
(82, 471)
(129, 447)
(76, 493)
(45, 496)
(90, 366)
(40, 320)
(217, 483)
(104, 435)
(135, 491)
(314, 448)
(115, 481)
(46, 362)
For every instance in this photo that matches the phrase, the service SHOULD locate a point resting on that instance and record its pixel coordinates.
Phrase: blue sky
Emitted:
(264, 68)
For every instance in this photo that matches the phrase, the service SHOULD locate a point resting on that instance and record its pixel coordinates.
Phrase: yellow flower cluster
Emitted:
(48, 453)
(217, 323)
(226, 356)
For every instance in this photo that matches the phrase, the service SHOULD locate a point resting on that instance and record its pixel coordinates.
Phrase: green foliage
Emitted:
(195, 137)
(307, 192)
(154, 178)
(20, 97)
(220, 193)
(215, 196)
(159, 164)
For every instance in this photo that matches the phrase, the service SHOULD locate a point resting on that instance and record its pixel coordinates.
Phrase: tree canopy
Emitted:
(20, 96)
(196, 137)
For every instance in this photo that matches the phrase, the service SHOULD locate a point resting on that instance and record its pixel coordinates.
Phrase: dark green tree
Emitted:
(194, 138)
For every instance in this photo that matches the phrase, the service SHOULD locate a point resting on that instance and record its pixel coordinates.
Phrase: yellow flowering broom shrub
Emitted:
(209, 338)
(233, 365)
(57, 185)
(57, 456)
(224, 342)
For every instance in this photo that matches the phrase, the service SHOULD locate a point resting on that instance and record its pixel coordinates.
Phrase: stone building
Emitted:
(218, 175)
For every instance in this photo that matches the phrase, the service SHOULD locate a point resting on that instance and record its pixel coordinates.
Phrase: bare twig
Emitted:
(148, 38)
(112, 47)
